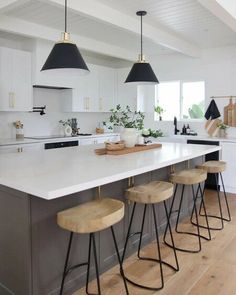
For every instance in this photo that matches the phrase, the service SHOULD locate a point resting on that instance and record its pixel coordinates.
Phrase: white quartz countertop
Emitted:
(51, 174)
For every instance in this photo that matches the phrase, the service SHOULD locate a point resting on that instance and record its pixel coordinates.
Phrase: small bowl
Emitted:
(115, 146)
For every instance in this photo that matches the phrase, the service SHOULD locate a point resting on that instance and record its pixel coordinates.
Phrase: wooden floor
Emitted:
(210, 272)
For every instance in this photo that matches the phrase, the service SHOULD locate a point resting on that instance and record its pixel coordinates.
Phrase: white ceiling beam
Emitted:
(103, 13)
(33, 30)
(220, 12)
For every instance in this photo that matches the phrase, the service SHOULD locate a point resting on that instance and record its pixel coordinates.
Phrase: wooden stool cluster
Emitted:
(102, 214)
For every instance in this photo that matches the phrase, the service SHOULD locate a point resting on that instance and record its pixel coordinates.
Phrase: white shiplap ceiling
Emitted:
(187, 18)
(53, 16)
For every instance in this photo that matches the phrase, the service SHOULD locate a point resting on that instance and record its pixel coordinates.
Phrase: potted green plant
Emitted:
(159, 110)
(222, 129)
(146, 133)
(129, 120)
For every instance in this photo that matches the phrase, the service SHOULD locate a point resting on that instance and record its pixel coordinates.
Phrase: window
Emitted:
(185, 100)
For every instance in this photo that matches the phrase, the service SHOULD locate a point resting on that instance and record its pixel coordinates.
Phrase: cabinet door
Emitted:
(229, 156)
(126, 93)
(15, 80)
(87, 141)
(20, 148)
(6, 87)
(106, 100)
(22, 84)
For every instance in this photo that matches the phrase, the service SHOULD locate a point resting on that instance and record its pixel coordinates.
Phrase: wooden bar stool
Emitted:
(150, 194)
(216, 168)
(189, 177)
(90, 218)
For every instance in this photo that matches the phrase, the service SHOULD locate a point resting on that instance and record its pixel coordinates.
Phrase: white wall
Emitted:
(217, 67)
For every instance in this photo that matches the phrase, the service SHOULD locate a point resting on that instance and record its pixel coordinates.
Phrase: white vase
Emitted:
(67, 130)
(129, 135)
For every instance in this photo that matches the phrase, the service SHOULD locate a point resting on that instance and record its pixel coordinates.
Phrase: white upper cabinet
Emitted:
(126, 93)
(15, 80)
(92, 93)
(106, 81)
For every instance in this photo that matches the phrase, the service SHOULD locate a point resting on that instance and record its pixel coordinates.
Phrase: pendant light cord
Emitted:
(65, 16)
(141, 37)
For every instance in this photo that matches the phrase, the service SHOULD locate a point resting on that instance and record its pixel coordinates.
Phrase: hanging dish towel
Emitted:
(212, 111)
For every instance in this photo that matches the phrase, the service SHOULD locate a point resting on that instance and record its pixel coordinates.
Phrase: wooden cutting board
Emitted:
(137, 148)
(229, 113)
(212, 126)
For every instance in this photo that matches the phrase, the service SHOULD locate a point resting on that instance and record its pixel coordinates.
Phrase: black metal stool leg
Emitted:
(119, 260)
(179, 210)
(141, 234)
(159, 260)
(171, 208)
(202, 203)
(218, 195)
(96, 263)
(66, 263)
(206, 216)
(226, 200)
(220, 206)
(89, 258)
(191, 218)
(183, 232)
(196, 214)
(171, 236)
(158, 246)
(128, 233)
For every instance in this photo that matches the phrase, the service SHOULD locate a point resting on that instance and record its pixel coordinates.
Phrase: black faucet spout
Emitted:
(175, 124)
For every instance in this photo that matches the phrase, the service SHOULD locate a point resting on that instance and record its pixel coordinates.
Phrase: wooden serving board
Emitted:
(137, 148)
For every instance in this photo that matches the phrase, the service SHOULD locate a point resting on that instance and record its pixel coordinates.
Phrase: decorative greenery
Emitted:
(126, 118)
(68, 122)
(152, 133)
(159, 110)
(222, 126)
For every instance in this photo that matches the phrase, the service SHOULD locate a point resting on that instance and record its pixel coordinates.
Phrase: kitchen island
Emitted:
(34, 186)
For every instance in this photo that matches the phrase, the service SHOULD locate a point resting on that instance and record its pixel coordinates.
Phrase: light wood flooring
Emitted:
(210, 272)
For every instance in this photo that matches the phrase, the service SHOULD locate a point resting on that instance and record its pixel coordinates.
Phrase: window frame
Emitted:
(156, 117)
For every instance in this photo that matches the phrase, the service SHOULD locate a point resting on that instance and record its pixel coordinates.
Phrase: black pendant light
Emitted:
(141, 72)
(65, 57)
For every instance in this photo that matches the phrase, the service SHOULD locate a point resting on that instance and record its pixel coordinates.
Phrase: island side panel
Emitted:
(15, 243)
(46, 243)
(49, 245)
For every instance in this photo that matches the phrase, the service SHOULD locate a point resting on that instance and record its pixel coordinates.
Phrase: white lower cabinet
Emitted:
(97, 140)
(229, 156)
(21, 148)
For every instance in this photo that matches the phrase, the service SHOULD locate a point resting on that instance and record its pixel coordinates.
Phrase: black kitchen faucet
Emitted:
(175, 124)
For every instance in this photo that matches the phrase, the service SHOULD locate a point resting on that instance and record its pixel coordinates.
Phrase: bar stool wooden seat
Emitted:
(188, 177)
(216, 168)
(90, 218)
(150, 194)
